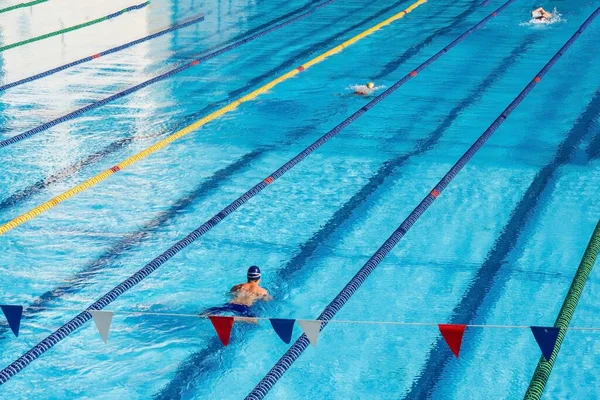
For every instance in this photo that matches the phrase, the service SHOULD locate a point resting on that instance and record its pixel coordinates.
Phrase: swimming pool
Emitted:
(519, 215)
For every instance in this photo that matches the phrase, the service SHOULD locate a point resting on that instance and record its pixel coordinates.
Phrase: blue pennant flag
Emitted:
(283, 328)
(13, 316)
(545, 336)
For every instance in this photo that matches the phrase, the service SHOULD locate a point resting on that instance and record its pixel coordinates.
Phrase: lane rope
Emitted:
(294, 352)
(184, 24)
(22, 5)
(83, 317)
(190, 128)
(544, 368)
(187, 65)
(73, 28)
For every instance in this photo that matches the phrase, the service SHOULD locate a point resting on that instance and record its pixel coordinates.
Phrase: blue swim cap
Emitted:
(253, 273)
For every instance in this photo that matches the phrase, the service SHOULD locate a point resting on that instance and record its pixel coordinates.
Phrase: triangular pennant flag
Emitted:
(103, 319)
(283, 328)
(453, 334)
(311, 329)
(545, 336)
(223, 327)
(13, 315)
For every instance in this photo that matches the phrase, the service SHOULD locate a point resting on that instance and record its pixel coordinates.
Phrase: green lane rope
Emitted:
(543, 369)
(22, 5)
(72, 28)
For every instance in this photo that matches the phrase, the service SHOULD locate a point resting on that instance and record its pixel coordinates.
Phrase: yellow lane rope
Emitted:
(190, 128)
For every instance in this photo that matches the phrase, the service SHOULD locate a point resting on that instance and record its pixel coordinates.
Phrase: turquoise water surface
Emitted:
(500, 246)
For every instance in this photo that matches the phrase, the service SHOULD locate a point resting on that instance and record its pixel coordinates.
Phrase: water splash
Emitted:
(363, 88)
(556, 17)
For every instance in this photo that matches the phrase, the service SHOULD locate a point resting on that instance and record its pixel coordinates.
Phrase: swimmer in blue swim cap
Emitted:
(248, 293)
(244, 295)
(364, 90)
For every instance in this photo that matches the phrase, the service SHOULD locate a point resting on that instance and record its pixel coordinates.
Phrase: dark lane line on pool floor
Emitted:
(413, 50)
(26, 193)
(471, 304)
(201, 361)
(254, 30)
(593, 148)
(324, 43)
(82, 278)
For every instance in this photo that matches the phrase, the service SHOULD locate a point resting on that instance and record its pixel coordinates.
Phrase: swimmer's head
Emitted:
(370, 85)
(253, 274)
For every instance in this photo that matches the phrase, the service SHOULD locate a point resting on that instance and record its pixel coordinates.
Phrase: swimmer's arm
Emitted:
(266, 296)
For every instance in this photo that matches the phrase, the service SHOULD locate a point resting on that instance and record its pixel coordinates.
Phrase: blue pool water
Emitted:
(516, 220)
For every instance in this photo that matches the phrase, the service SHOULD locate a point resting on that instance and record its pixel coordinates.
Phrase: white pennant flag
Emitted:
(311, 329)
(103, 319)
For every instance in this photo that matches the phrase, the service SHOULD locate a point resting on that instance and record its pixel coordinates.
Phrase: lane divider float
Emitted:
(190, 128)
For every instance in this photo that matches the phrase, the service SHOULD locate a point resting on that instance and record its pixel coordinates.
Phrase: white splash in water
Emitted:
(364, 89)
(556, 17)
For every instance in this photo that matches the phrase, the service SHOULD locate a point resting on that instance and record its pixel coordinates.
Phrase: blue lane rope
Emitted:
(65, 330)
(94, 105)
(292, 354)
(131, 8)
(101, 54)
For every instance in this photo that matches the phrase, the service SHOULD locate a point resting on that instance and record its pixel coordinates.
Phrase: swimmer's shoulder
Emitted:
(237, 288)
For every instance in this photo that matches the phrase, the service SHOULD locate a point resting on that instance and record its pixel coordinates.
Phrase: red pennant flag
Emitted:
(453, 334)
(223, 327)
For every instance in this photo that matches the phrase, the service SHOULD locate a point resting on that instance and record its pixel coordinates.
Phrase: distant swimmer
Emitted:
(364, 90)
(244, 296)
(541, 15)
